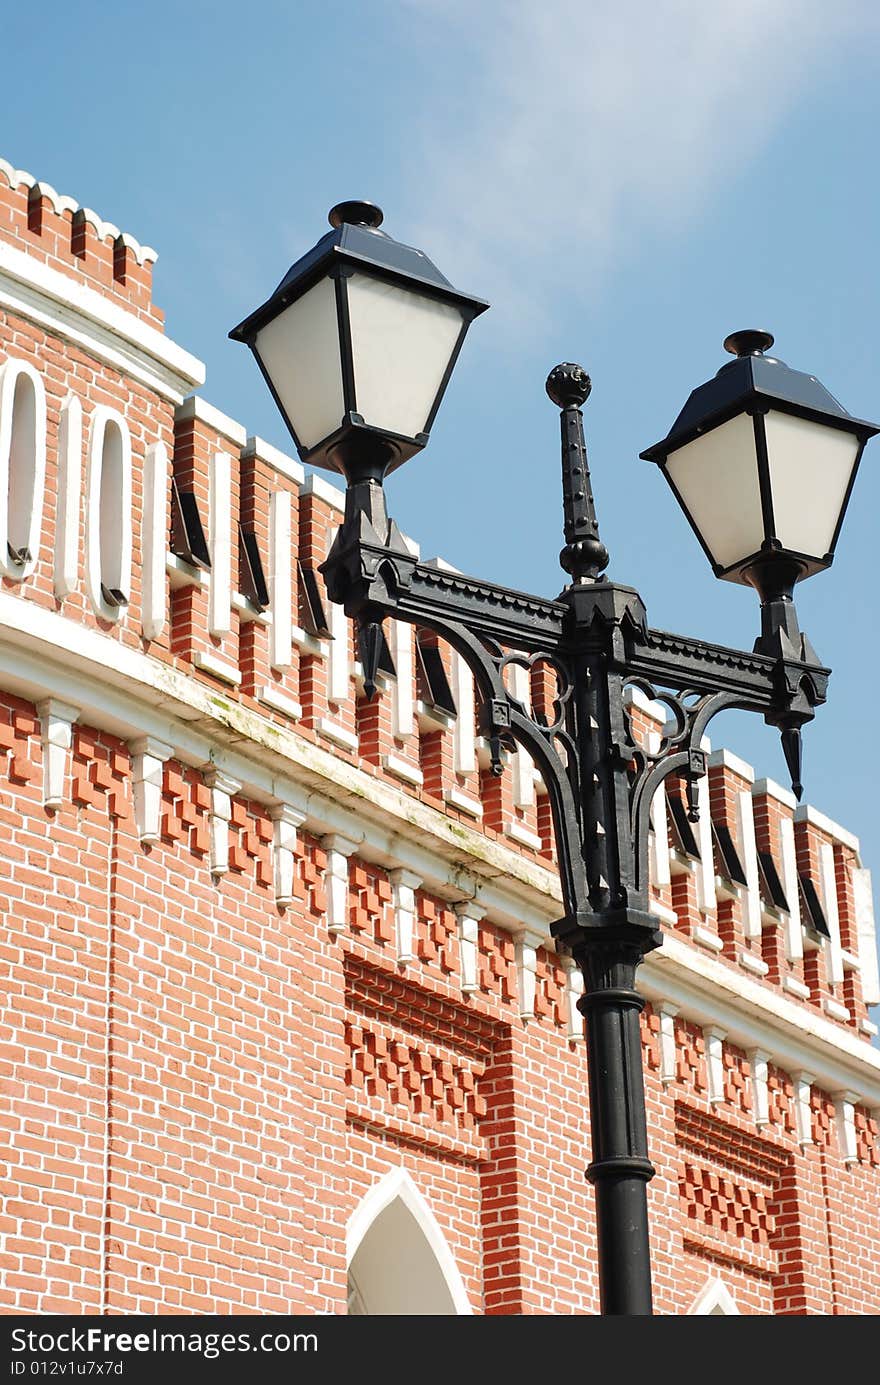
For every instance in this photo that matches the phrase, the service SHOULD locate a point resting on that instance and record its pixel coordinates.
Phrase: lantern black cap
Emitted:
(755, 382)
(356, 240)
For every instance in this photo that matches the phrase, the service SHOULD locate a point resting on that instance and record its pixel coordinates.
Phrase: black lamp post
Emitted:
(357, 345)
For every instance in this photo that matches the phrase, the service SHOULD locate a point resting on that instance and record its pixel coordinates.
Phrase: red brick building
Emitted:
(283, 1029)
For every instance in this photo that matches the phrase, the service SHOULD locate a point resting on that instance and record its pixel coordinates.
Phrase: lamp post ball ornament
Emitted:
(357, 345)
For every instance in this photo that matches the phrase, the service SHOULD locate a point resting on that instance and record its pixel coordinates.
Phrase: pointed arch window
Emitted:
(22, 466)
(108, 530)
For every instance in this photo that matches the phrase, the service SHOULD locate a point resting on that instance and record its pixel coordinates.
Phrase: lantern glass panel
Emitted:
(810, 470)
(716, 476)
(299, 350)
(402, 341)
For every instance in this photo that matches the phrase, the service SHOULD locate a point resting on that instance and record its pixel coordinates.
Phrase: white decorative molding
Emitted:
(803, 1112)
(108, 510)
(70, 446)
(338, 850)
(56, 725)
(844, 1108)
(658, 842)
(760, 1087)
(339, 689)
(794, 938)
(403, 770)
(526, 974)
(706, 938)
(794, 986)
(200, 411)
(714, 1039)
(727, 760)
(398, 1185)
(404, 885)
(524, 836)
(714, 1300)
(464, 749)
(463, 802)
(154, 540)
(279, 701)
(770, 789)
(339, 735)
(667, 1013)
(281, 579)
(147, 774)
(279, 461)
(219, 668)
(805, 812)
(402, 687)
(756, 965)
(322, 490)
(64, 307)
(863, 903)
(523, 764)
(285, 819)
(17, 177)
(22, 465)
(745, 822)
(707, 897)
(220, 543)
(835, 1009)
(575, 1023)
(223, 790)
(469, 915)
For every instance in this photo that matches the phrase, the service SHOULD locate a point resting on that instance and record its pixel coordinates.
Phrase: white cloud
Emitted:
(556, 134)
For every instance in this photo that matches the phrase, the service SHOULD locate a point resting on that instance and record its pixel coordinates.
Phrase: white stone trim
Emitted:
(322, 490)
(285, 821)
(668, 1057)
(402, 691)
(223, 790)
(154, 541)
(67, 514)
(12, 371)
(404, 885)
(714, 1300)
(756, 965)
(526, 974)
(658, 843)
(835, 1009)
(98, 562)
(794, 938)
(147, 776)
(770, 789)
(30, 288)
(524, 836)
(200, 411)
(863, 902)
(264, 451)
(745, 822)
(463, 802)
(828, 881)
(523, 768)
(727, 760)
(339, 689)
(469, 915)
(707, 897)
(760, 1087)
(714, 1039)
(56, 725)
(279, 701)
(212, 663)
(17, 177)
(806, 813)
(464, 747)
(280, 579)
(403, 770)
(338, 850)
(220, 543)
(339, 735)
(803, 1114)
(397, 1183)
(844, 1108)
(795, 986)
(706, 938)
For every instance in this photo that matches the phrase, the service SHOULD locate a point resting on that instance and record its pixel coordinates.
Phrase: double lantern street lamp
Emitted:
(357, 345)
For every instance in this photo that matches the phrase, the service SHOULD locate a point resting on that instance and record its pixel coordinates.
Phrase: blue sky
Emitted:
(626, 183)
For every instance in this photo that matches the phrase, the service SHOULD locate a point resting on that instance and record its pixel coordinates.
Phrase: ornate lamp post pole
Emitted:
(357, 344)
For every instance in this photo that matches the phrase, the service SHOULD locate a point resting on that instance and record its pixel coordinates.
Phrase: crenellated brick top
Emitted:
(75, 240)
